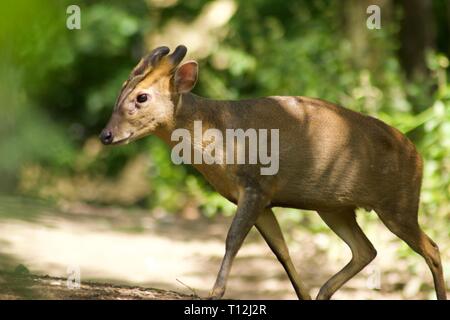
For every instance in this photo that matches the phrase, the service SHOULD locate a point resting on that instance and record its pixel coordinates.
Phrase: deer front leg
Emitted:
(250, 205)
(269, 228)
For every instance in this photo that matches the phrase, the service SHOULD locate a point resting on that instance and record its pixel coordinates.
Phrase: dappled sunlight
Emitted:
(202, 35)
(53, 245)
(131, 247)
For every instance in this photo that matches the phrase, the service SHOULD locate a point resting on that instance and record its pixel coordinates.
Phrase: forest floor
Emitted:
(16, 285)
(124, 253)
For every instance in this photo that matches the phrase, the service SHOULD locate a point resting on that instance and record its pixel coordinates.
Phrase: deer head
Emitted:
(149, 97)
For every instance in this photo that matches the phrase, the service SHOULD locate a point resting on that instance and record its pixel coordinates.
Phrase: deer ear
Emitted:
(186, 76)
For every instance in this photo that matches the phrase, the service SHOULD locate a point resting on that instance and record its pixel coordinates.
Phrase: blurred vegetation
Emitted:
(58, 86)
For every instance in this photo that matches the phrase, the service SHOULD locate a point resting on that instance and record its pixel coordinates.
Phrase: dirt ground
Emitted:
(28, 286)
(125, 253)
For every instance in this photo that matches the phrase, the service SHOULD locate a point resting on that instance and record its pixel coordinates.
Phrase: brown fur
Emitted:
(331, 159)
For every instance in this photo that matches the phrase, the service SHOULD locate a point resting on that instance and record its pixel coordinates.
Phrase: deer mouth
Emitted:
(124, 140)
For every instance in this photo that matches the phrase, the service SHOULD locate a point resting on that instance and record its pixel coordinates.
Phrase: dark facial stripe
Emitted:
(128, 87)
(132, 83)
(146, 66)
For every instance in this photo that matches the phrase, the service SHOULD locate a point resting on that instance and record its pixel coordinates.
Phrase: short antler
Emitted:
(152, 59)
(178, 55)
(155, 56)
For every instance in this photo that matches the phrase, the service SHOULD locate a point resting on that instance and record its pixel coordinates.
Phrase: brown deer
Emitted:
(331, 160)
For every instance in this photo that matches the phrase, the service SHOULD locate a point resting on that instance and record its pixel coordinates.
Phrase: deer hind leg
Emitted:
(404, 224)
(269, 228)
(343, 223)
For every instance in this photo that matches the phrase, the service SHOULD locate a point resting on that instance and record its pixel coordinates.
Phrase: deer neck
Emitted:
(190, 108)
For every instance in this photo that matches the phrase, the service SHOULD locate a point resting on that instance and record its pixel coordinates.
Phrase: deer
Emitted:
(332, 160)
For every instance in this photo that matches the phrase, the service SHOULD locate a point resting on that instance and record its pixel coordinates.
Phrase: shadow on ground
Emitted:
(127, 248)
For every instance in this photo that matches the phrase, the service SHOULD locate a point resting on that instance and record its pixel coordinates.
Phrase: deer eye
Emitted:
(141, 98)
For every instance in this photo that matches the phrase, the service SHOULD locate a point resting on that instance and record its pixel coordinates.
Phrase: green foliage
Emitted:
(28, 132)
(434, 143)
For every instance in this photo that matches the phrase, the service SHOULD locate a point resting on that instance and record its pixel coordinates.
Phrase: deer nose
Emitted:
(106, 137)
